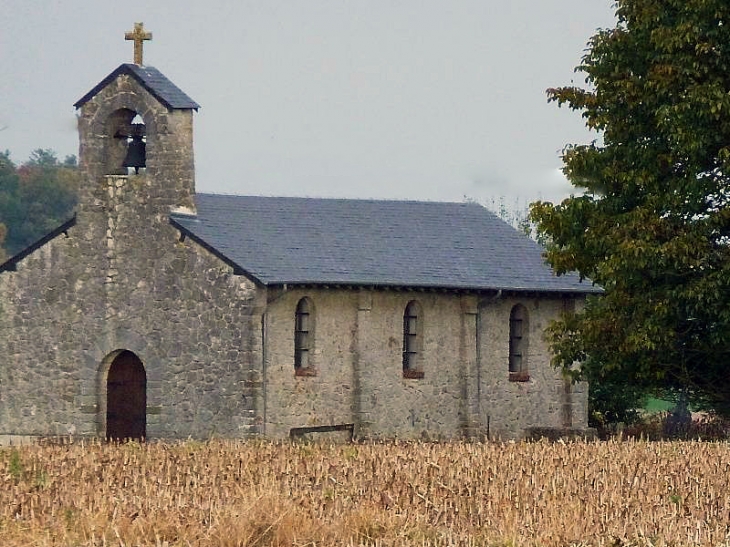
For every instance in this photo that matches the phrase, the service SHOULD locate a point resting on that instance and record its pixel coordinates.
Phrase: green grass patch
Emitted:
(658, 405)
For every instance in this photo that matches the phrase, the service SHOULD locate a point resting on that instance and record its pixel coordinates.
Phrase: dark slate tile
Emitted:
(371, 242)
(151, 79)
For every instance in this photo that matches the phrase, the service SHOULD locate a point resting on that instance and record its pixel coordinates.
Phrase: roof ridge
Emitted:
(319, 198)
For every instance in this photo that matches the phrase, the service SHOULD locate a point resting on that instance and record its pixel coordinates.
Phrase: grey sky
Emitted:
(417, 99)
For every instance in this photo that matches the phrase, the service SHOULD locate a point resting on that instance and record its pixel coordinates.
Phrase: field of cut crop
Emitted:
(260, 493)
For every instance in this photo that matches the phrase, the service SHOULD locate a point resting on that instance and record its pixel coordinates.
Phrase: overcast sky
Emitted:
(404, 99)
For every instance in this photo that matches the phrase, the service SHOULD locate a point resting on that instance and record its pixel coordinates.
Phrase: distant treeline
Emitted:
(35, 198)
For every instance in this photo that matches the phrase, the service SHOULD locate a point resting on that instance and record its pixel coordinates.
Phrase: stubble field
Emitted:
(261, 493)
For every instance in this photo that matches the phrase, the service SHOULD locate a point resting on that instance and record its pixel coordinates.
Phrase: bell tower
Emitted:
(136, 138)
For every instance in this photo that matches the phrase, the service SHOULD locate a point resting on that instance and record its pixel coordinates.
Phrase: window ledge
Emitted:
(519, 376)
(302, 371)
(412, 373)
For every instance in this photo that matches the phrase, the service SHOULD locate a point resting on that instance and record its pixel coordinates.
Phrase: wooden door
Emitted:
(126, 403)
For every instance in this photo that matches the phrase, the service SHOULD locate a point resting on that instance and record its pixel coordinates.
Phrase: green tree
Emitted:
(36, 197)
(9, 206)
(652, 225)
(3, 233)
(517, 215)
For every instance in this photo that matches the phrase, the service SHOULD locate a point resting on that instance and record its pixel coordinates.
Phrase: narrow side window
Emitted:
(518, 341)
(412, 341)
(303, 338)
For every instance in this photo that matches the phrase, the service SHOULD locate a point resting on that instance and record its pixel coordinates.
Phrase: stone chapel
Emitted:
(157, 312)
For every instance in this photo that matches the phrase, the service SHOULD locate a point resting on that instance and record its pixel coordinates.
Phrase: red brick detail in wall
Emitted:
(519, 376)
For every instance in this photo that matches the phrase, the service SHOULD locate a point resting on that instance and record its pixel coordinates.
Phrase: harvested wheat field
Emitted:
(261, 493)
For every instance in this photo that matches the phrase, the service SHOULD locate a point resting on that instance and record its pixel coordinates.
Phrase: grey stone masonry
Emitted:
(121, 279)
(464, 390)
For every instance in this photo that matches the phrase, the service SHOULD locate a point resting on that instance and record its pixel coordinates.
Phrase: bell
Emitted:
(136, 154)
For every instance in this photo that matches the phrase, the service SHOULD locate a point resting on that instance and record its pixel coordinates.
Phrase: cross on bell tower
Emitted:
(138, 35)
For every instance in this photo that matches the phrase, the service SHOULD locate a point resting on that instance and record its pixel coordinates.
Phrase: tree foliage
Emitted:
(3, 232)
(516, 214)
(652, 225)
(36, 197)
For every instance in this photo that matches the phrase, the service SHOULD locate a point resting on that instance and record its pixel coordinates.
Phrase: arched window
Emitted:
(412, 341)
(518, 340)
(303, 338)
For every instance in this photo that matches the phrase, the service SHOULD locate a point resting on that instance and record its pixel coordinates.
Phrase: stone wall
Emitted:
(123, 280)
(545, 399)
(465, 390)
(329, 396)
(394, 405)
(195, 326)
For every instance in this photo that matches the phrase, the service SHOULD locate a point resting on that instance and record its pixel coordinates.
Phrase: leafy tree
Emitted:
(517, 215)
(3, 233)
(8, 194)
(36, 197)
(652, 226)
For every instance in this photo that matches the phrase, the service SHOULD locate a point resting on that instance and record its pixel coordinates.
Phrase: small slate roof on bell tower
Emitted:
(152, 80)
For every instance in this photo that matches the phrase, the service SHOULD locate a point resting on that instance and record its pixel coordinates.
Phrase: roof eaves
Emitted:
(588, 289)
(10, 264)
(438, 288)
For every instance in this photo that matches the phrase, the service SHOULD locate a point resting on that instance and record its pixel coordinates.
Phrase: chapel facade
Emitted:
(157, 312)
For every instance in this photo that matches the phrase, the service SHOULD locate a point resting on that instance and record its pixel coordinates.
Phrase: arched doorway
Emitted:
(126, 398)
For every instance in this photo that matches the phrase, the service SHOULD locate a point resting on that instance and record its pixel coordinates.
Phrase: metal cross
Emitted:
(138, 35)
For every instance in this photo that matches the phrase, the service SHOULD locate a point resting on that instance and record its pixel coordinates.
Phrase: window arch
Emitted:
(518, 342)
(412, 340)
(303, 338)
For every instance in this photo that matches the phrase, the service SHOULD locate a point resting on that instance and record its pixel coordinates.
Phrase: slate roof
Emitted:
(282, 240)
(152, 80)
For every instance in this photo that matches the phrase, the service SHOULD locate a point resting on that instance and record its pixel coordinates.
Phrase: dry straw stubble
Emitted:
(261, 493)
